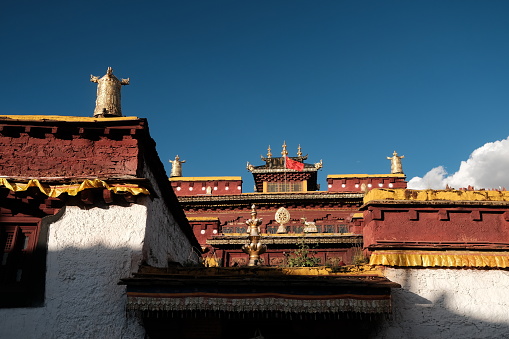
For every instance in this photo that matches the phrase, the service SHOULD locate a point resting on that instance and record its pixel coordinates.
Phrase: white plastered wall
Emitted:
(89, 250)
(448, 303)
(163, 234)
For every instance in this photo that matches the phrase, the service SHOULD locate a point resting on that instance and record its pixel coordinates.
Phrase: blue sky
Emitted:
(351, 81)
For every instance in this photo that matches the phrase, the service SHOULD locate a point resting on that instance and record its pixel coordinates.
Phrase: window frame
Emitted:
(29, 290)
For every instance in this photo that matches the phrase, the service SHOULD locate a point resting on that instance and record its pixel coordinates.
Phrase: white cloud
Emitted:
(487, 167)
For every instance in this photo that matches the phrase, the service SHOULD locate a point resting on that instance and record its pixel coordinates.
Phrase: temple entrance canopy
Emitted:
(214, 302)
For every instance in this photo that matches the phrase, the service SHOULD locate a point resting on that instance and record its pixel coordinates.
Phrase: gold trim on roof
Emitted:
(289, 239)
(202, 218)
(204, 178)
(340, 176)
(62, 118)
(267, 197)
(54, 191)
(434, 195)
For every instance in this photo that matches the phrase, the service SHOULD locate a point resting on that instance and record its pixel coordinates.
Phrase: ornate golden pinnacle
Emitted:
(299, 151)
(255, 247)
(176, 167)
(269, 153)
(107, 103)
(396, 166)
(284, 152)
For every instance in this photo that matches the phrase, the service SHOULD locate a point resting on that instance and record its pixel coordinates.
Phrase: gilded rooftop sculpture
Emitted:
(107, 103)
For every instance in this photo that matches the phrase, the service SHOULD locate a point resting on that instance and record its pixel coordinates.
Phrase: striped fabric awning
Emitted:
(245, 293)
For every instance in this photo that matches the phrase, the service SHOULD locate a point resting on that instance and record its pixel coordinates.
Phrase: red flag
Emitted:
(292, 164)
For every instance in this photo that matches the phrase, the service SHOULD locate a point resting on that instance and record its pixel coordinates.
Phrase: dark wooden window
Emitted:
(18, 243)
(22, 264)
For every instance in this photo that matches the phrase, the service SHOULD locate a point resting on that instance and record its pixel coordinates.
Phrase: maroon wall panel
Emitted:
(468, 225)
(24, 155)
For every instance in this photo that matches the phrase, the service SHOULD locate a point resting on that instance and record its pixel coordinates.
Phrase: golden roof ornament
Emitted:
(176, 167)
(299, 151)
(107, 103)
(396, 167)
(255, 247)
(284, 153)
(269, 153)
(250, 167)
(319, 165)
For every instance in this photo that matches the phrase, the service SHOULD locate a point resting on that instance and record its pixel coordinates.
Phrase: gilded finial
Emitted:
(284, 153)
(396, 167)
(176, 167)
(269, 153)
(255, 247)
(299, 151)
(253, 211)
(107, 103)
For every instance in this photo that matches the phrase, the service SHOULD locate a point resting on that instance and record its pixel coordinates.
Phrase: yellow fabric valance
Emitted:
(54, 191)
(440, 259)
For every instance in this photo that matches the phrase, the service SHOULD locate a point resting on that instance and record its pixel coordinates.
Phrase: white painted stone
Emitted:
(89, 250)
(448, 303)
(164, 239)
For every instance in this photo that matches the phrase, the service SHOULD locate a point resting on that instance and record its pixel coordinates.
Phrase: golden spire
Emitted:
(299, 152)
(176, 167)
(255, 248)
(269, 153)
(396, 167)
(284, 153)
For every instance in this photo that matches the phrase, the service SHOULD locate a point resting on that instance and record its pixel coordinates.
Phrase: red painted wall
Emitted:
(217, 187)
(27, 155)
(231, 219)
(204, 230)
(234, 220)
(444, 226)
(278, 258)
(353, 184)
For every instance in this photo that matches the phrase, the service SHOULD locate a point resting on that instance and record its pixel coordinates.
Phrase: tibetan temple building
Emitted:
(98, 243)
(293, 209)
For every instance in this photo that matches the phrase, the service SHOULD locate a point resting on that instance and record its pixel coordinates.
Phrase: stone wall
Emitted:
(448, 303)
